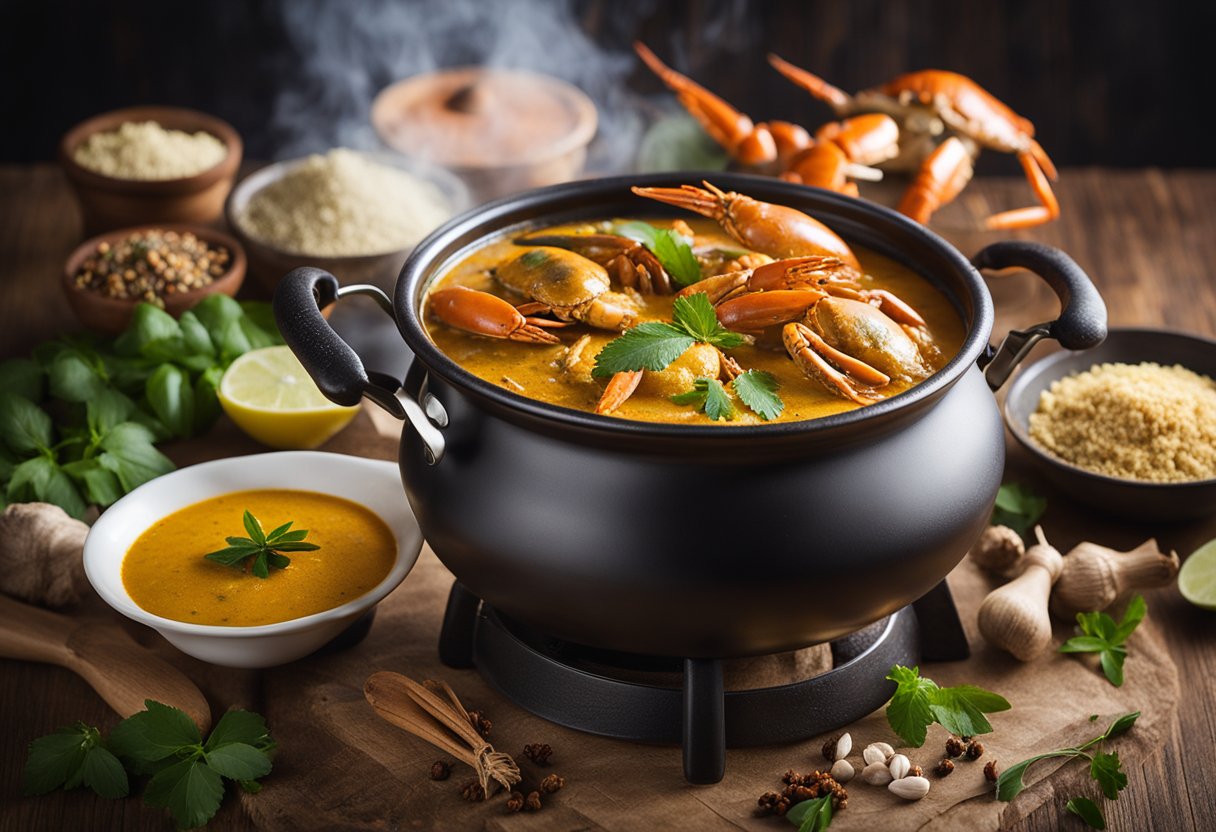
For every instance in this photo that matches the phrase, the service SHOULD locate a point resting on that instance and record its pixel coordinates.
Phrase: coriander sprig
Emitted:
(755, 388)
(264, 549)
(1100, 634)
(709, 395)
(670, 247)
(918, 703)
(654, 345)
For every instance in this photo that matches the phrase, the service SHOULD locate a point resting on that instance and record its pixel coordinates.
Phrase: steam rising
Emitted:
(349, 52)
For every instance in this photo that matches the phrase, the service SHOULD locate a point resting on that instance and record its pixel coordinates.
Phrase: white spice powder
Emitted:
(343, 204)
(145, 150)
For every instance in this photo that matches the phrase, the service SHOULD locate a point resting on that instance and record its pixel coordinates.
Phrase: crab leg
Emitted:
(620, 388)
(760, 310)
(868, 139)
(1032, 164)
(943, 175)
(807, 350)
(834, 97)
(484, 314)
(749, 143)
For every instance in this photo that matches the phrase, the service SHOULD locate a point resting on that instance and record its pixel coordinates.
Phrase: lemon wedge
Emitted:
(1197, 577)
(269, 395)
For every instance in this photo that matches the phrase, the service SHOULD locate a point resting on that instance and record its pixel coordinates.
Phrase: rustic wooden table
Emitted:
(1146, 237)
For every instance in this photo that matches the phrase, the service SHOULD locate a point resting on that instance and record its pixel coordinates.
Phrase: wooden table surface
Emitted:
(1146, 237)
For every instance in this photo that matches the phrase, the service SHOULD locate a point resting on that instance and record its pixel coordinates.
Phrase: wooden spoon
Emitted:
(122, 672)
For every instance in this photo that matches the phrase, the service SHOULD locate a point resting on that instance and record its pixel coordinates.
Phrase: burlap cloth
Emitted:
(340, 767)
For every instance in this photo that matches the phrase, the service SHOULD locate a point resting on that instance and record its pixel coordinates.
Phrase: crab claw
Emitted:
(811, 354)
(484, 314)
(620, 388)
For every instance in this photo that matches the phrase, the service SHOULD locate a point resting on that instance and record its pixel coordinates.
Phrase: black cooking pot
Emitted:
(702, 540)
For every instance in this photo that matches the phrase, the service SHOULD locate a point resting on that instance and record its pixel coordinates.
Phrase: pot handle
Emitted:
(336, 368)
(1082, 321)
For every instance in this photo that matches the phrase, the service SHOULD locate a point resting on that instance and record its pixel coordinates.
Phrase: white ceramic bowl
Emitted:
(372, 483)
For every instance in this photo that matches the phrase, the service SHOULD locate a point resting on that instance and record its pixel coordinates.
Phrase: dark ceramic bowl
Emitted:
(1130, 499)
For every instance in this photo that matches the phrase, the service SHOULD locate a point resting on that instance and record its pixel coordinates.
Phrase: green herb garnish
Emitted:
(812, 815)
(672, 249)
(654, 345)
(709, 395)
(918, 703)
(1019, 508)
(71, 757)
(264, 549)
(1088, 811)
(1103, 768)
(758, 390)
(1100, 634)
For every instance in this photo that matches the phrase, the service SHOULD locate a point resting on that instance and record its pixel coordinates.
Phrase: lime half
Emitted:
(270, 396)
(1197, 577)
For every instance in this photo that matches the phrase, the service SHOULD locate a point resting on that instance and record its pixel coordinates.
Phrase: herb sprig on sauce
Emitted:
(260, 552)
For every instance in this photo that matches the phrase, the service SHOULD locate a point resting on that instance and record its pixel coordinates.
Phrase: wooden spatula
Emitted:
(122, 672)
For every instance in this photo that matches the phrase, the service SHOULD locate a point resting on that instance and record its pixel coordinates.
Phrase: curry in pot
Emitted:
(753, 312)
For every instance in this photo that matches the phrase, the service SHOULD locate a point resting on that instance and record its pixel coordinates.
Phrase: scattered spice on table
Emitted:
(145, 150)
(538, 752)
(1141, 422)
(150, 265)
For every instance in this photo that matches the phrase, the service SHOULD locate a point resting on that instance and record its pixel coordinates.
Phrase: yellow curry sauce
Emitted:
(537, 371)
(166, 574)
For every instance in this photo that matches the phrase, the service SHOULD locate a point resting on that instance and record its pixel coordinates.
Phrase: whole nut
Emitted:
(899, 766)
(876, 774)
(874, 753)
(909, 788)
(837, 747)
(842, 771)
(886, 749)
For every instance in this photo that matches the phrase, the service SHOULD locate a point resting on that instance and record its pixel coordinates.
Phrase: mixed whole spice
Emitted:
(150, 265)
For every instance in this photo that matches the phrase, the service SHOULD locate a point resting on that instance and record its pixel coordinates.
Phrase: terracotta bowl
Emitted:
(111, 316)
(107, 202)
(268, 262)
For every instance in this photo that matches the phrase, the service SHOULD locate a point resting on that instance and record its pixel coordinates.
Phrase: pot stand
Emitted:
(549, 677)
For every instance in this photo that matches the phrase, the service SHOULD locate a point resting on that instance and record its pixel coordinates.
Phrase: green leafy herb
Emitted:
(654, 345)
(672, 249)
(1018, 507)
(1100, 634)
(812, 815)
(1104, 768)
(1088, 811)
(261, 551)
(709, 395)
(918, 703)
(758, 390)
(71, 757)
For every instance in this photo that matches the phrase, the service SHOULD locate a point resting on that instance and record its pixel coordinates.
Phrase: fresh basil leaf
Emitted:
(1083, 644)
(56, 758)
(278, 531)
(238, 726)
(1088, 811)
(1107, 770)
(1111, 660)
(233, 342)
(259, 324)
(73, 379)
(1132, 616)
(957, 714)
(216, 312)
(24, 427)
(41, 479)
(108, 409)
(758, 391)
(130, 455)
(288, 537)
(1018, 507)
(1098, 624)
(1122, 725)
(100, 486)
(149, 325)
(648, 346)
(153, 734)
(811, 815)
(232, 556)
(195, 337)
(104, 774)
(238, 761)
(21, 377)
(190, 790)
(172, 399)
(206, 399)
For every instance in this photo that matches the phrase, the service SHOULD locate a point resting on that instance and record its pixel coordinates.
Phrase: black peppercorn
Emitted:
(440, 770)
(944, 767)
(480, 724)
(533, 802)
(975, 750)
(954, 747)
(515, 802)
(538, 752)
(552, 783)
(990, 773)
(472, 791)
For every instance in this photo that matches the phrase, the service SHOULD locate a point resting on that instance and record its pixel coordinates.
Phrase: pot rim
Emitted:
(415, 277)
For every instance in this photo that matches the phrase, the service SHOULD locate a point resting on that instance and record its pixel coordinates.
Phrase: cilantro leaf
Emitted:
(1018, 507)
(239, 761)
(709, 395)
(1107, 770)
(56, 758)
(918, 702)
(191, 790)
(104, 774)
(696, 316)
(154, 734)
(648, 346)
(758, 390)
(238, 726)
(960, 709)
(812, 815)
(1101, 635)
(1104, 768)
(671, 248)
(1088, 811)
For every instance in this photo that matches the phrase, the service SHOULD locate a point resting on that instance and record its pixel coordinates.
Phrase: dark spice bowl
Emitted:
(110, 316)
(108, 202)
(696, 541)
(1131, 499)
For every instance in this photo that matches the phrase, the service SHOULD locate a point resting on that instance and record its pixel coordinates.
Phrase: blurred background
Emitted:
(1106, 83)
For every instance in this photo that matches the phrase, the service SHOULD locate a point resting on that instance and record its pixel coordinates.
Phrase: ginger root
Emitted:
(41, 551)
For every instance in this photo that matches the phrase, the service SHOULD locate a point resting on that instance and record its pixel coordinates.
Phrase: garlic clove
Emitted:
(876, 774)
(843, 746)
(909, 788)
(873, 754)
(887, 751)
(842, 771)
(899, 766)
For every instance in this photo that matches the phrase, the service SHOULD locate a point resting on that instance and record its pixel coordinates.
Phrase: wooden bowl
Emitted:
(111, 316)
(107, 202)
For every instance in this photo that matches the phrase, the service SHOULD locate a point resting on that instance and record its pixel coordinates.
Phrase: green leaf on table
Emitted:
(1088, 811)
(1107, 770)
(672, 249)
(239, 761)
(648, 346)
(918, 702)
(758, 391)
(24, 427)
(103, 773)
(1101, 634)
(171, 397)
(1018, 507)
(239, 726)
(960, 709)
(56, 758)
(22, 377)
(191, 790)
(812, 815)
(153, 734)
(1104, 768)
(130, 455)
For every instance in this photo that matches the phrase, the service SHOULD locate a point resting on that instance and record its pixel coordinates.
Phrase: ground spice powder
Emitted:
(1140, 422)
